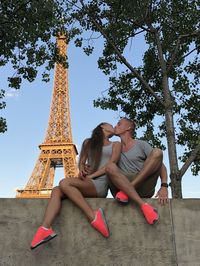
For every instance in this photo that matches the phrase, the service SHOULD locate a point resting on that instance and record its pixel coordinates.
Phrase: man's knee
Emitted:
(110, 168)
(157, 153)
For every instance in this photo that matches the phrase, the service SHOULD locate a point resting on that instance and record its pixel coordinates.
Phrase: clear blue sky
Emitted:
(27, 113)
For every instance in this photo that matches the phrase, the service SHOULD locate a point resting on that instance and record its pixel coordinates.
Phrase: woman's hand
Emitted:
(84, 171)
(87, 169)
(81, 175)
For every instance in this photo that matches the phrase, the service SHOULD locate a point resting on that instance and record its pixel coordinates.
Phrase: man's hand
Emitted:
(162, 195)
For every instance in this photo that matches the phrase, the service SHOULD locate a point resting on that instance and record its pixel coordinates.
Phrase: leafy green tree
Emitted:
(166, 83)
(164, 86)
(3, 126)
(27, 28)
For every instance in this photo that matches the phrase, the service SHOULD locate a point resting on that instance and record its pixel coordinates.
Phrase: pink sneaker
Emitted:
(121, 197)
(100, 224)
(42, 236)
(150, 213)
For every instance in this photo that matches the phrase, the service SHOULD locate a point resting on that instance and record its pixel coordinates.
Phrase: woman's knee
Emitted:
(56, 192)
(66, 183)
(63, 183)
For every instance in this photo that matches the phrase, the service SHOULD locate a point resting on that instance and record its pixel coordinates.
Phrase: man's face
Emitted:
(121, 127)
(108, 130)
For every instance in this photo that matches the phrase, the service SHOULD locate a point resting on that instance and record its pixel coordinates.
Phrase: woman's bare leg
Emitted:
(53, 207)
(76, 190)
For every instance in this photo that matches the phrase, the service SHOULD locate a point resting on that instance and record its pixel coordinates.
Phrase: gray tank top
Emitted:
(105, 157)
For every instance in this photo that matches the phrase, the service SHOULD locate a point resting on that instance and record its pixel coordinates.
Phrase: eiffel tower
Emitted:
(58, 149)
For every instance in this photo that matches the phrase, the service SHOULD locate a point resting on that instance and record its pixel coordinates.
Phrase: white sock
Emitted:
(45, 228)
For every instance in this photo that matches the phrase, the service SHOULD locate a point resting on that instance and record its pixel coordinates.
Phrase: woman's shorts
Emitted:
(101, 185)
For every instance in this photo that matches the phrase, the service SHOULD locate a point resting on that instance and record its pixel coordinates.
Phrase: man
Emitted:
(136, 174)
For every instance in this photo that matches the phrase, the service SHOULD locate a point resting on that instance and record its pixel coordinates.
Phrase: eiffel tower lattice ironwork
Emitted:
(58, 149)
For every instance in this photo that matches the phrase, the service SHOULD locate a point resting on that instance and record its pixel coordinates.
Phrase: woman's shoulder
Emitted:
(116, 143)
(86, 141)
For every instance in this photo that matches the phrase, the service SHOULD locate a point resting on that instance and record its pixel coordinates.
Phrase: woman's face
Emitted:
(108, 130)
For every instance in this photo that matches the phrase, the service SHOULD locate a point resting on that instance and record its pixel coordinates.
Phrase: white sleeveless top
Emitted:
(105, 156)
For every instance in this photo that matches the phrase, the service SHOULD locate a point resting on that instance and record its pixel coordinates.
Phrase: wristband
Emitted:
(164, 185)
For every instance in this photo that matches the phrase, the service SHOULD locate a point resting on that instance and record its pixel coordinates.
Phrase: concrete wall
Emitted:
(175, 240)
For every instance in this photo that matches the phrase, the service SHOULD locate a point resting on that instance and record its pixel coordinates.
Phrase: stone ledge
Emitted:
(175, 240)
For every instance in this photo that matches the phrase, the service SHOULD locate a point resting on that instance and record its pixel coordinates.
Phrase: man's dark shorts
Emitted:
(146, 189)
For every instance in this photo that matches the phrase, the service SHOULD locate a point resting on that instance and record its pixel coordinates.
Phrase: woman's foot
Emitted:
(100, 224)
(42, 235)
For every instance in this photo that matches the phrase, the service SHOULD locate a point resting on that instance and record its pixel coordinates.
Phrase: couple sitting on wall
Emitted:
(130, 169)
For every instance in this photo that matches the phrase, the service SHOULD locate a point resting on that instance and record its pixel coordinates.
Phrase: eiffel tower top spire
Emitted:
(59, 126)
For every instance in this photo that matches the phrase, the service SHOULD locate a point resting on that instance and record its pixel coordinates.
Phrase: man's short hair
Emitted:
(133, 124)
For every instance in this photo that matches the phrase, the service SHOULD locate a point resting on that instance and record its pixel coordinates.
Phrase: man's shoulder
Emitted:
(143, 143)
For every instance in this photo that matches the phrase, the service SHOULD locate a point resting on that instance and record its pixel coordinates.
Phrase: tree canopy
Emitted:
(166, 83)
(27, 29)
(3, 126)
(164, 87)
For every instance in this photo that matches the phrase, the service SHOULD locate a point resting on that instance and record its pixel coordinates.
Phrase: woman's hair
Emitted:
(93, 146)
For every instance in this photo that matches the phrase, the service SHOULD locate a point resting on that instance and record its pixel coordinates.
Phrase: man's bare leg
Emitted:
(53, 207)
(76, 189)
(152, 165)
(122, 183)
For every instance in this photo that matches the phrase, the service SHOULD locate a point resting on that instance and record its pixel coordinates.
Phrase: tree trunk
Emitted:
(170, 133)
(169, 122)
(176, 186)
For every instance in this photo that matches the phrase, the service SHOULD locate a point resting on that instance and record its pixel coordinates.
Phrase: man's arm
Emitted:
(116, 151)
(162, 193)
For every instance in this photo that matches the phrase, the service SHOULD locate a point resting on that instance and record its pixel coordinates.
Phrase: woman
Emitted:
(92, 182)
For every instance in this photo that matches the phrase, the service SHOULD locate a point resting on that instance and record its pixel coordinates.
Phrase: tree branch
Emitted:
(195, 33)
(129, 36)
(160, 53)
(142, 27)
(190, 52)
(189, 161)
(122, 58)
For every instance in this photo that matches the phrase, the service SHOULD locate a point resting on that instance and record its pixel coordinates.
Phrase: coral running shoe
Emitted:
(100, 224)
(42, 235)
(150, 213)
(122, 197)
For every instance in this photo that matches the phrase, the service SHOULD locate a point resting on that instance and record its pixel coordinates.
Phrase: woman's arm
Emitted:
(116, 150)
(83, 157)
